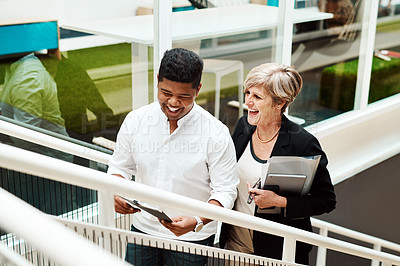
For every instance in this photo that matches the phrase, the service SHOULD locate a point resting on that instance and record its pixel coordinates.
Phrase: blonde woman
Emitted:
(265, 132)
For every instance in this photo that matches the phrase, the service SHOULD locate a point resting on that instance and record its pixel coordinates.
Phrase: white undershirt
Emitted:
(249, 170)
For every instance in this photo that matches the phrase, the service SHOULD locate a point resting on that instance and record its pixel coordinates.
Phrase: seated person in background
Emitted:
(29, 96)
(266, 132)
(175, 145)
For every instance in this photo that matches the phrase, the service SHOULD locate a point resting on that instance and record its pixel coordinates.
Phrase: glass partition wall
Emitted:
(60, 93)
(325, 50)
(319, 48)
(334, 80)
(252, 33)
(385, 74)
(105, 67)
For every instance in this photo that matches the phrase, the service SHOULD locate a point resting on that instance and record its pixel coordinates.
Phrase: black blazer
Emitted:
(293, 140)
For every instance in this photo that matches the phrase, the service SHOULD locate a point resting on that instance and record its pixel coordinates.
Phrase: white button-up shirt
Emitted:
(197, 160)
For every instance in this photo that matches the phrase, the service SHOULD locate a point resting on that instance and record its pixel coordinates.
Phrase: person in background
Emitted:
(77, 93)
(29, 96)
(263, 133)
(175, 145)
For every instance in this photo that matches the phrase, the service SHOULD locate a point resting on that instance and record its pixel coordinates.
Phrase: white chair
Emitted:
(219, 68)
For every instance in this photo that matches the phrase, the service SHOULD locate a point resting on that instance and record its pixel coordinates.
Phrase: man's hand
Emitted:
(122, 207)
(184, 224)
(180, 225)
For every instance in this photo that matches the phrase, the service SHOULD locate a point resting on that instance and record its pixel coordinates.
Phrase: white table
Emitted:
(188, 25)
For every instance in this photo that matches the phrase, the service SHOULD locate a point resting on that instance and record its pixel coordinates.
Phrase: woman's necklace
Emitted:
(266, 141)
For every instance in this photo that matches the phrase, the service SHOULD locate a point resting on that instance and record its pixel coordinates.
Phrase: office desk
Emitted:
(188, 25)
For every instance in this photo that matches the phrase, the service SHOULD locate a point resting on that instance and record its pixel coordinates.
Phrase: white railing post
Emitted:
(321, 253)
(376, 247)
(106, 208)
(106, 214)
(289, 249)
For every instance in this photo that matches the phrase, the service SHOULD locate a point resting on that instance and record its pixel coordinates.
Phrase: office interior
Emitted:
(347, 52)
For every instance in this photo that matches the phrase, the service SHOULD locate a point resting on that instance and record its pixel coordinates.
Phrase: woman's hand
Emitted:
(266, 198)
(122, 207)
(180, 225)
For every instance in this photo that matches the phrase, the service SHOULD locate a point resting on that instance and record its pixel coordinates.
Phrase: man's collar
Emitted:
(182, 120)
(188, 116)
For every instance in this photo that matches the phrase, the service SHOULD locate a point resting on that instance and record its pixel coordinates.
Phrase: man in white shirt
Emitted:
(176, 145)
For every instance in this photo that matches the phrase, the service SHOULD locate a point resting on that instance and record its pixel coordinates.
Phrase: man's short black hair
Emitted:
(181, 65)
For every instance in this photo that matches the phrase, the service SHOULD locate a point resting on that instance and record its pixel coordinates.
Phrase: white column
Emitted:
(162, 34)
(367, 44)
(284, 32)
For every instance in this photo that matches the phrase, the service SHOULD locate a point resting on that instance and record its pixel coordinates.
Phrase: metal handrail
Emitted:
(120, 237)
(54, 134)
(53, 140)
(71, 249)
(40, 165)
(25, 132)
(325, 228)
(354, 234)
(10, 258)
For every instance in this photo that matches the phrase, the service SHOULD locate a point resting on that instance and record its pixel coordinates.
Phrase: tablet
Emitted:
(286, 184)
(157, 213)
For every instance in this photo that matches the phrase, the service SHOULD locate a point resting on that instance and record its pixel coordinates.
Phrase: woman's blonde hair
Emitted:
(281, 82)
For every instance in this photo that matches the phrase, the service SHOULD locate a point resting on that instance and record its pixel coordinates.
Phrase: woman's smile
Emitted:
(253, 112)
